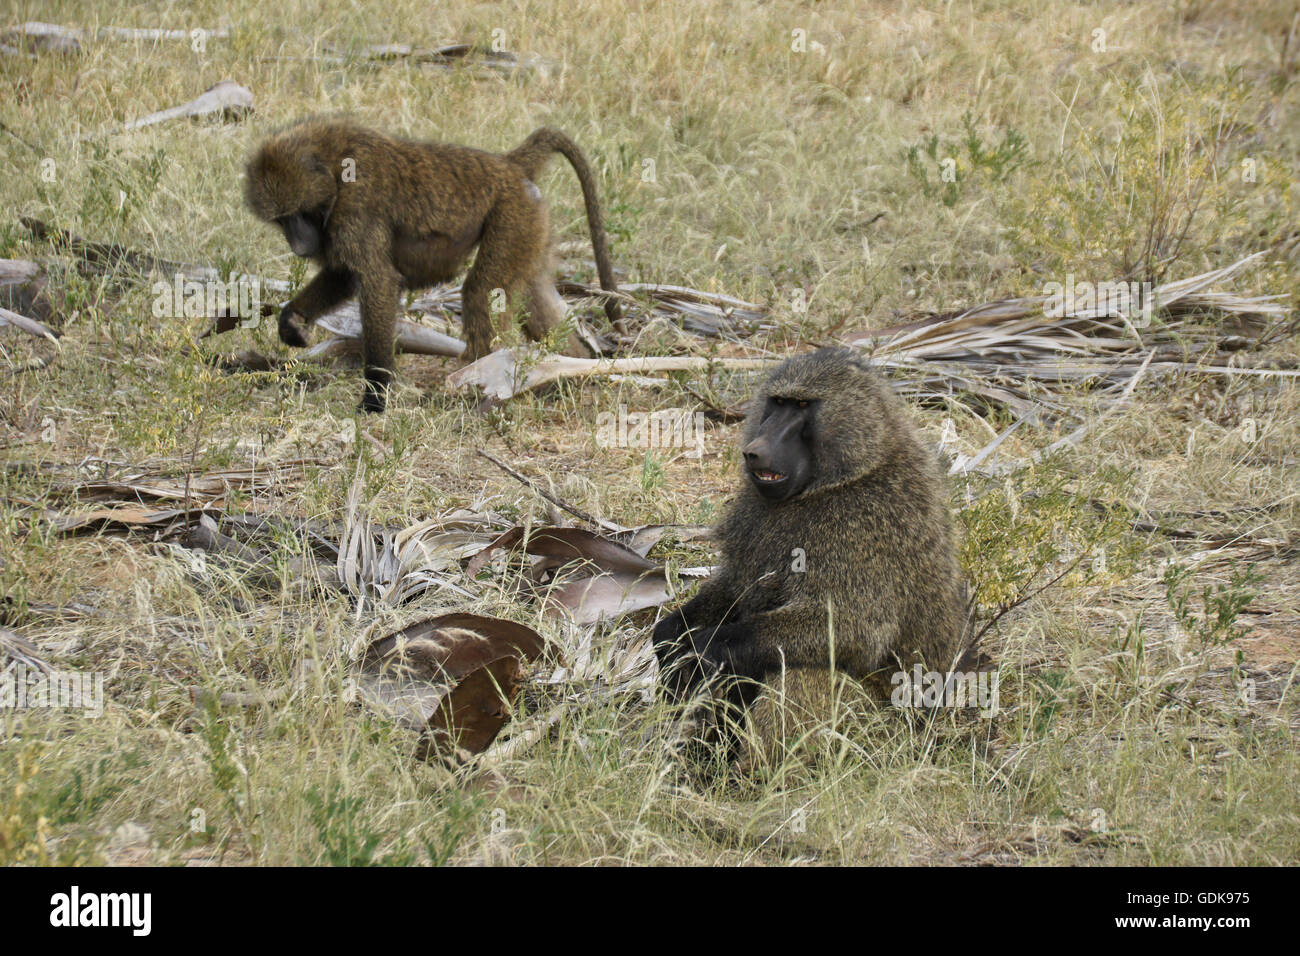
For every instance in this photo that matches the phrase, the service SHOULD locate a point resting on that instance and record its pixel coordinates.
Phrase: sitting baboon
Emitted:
(838, 549)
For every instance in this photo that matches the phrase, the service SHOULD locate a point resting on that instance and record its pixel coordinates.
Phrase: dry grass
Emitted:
(1124, 736)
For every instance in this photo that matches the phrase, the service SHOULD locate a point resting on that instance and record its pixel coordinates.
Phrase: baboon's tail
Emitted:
(531, 156)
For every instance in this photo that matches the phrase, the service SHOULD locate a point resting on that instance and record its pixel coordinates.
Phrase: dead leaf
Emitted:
(126, 517)
(610, 579)
(453, 678)
(609, 596)
(568, 544)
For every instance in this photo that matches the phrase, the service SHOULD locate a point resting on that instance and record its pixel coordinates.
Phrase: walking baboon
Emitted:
(380, 214)
(838, 549)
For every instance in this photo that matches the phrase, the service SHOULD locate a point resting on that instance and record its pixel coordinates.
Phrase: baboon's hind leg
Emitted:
(491, 289)
(510, 253)
(546, 310)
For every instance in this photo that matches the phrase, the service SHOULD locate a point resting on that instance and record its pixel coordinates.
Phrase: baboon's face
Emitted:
(290, 186)
(305, 232)
(778, 458)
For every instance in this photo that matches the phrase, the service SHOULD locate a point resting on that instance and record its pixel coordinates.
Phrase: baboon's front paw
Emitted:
(665, 636)
(682, 669)
(678, 678)
(719, 655)
(293, 328)
(712, 659)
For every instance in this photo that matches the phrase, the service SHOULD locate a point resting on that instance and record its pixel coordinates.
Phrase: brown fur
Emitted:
(410, 220)
(881, 570)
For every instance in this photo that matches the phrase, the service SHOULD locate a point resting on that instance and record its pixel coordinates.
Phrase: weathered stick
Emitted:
(501, 377)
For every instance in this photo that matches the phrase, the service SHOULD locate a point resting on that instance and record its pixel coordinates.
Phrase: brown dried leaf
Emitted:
(569, 544)
(612, 579)
(609, 595)
(126, 517)
(451, 677)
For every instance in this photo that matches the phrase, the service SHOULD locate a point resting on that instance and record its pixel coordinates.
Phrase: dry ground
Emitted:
(1148, 714)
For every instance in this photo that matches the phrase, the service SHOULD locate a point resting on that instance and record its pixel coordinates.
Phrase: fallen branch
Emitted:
(532, 486)
(226, 100)
(452, 57)
(55, 38)
(410, 337)
(501, 376)
(31, 326)
(17, 647)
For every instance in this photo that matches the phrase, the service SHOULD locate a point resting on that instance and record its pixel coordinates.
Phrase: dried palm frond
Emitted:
(380, 565)
(999, 351)
(1010, 353)
(597, 664)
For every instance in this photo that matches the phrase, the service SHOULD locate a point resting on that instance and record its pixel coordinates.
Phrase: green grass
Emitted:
(730, 161)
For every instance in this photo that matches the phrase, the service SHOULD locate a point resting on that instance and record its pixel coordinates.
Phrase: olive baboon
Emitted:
(838, 548)
(380, 214)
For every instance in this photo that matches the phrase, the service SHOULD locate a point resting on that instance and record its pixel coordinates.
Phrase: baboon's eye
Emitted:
(803, 403)
(778, 401)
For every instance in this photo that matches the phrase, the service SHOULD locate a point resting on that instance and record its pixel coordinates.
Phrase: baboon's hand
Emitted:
(670, 648)
(687, 672)
(293, 328)
(729, 649)
(666, 635)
